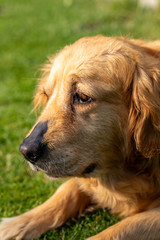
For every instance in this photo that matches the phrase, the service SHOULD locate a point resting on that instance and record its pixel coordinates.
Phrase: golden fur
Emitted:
(118, 132)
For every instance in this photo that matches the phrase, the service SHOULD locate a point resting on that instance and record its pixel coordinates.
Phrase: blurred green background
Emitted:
(29, 32)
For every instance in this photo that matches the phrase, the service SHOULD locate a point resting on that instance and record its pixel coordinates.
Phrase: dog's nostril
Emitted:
(31, 151)
(32, 156)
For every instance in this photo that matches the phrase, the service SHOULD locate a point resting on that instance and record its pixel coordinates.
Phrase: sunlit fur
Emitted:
(119, 131)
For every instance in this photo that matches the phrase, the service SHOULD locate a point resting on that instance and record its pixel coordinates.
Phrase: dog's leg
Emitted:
(67, 202)
(142, 226)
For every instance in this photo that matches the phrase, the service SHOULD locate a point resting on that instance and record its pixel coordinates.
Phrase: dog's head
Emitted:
(100, 100)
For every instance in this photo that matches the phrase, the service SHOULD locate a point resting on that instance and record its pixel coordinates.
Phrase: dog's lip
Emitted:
(33, 167)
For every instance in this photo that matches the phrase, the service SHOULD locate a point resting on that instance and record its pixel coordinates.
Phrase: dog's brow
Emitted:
(54, 69)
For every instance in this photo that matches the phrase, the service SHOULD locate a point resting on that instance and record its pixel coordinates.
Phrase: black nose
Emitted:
(32, 147)
(32, 152)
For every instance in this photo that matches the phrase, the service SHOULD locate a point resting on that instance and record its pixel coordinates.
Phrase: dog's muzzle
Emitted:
(33, 147)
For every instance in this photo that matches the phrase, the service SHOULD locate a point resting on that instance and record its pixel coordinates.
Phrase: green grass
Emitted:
(29, 32)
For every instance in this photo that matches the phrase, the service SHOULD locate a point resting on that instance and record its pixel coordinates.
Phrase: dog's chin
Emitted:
(49, 174)
(55, 177)
(89, 171)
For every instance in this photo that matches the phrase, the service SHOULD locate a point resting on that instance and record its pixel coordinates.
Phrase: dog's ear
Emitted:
(144, 116)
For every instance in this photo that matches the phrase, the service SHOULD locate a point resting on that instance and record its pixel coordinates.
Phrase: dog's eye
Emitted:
(79, 97)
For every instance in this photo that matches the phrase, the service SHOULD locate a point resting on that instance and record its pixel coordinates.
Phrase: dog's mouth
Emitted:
(35, 167)
(90, 168)
(51, 173)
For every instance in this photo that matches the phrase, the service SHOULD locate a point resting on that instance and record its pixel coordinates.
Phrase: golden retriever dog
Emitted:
(100, 125)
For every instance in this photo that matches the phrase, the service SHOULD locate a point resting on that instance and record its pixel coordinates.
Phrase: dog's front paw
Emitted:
(17, 228)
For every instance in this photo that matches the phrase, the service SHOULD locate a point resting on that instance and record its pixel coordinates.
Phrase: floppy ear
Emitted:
(144, 116)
